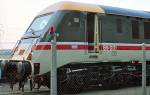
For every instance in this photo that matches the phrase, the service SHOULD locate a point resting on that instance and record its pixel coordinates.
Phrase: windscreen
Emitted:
(39, 23)
(36, 30)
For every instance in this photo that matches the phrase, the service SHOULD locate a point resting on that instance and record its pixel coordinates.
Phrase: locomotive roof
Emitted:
(125, 12)
(95, 9)
(72, 6)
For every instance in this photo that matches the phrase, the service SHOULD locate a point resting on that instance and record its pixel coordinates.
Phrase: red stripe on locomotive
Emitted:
(85, 47)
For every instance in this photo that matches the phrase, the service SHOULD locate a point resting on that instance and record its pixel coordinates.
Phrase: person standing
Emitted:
(0, 72)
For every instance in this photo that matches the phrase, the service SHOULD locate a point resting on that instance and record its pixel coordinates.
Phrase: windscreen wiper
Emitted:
(32, 31)
(27, 37)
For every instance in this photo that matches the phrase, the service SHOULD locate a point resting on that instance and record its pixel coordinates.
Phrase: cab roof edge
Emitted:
(72, 6)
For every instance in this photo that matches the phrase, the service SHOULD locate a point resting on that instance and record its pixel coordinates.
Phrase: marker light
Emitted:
(51, 29)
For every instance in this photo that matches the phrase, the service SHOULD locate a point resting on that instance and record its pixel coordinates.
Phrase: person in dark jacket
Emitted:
(0, 73)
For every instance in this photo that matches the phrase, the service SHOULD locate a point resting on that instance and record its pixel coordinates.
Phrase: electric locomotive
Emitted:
(96, 45)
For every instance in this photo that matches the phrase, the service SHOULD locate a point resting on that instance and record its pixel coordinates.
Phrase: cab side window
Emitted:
(71, 28)
(146, 30)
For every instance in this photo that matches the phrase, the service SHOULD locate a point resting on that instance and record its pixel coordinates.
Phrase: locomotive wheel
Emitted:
(124, 80)
(114, 83)
(74, 85)
(111, 84)
(119, 80)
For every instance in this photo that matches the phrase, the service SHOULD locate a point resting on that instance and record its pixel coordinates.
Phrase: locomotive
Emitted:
(96, 45)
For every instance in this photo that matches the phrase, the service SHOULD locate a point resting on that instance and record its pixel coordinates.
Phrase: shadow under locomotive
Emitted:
(74, 78)
(77, 77)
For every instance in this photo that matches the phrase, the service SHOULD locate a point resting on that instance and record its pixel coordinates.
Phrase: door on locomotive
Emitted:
(93, 32)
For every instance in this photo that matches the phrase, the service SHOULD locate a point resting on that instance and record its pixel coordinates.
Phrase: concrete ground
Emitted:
(5, 90)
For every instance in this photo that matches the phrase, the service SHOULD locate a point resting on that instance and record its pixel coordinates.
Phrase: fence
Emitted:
(84, 77)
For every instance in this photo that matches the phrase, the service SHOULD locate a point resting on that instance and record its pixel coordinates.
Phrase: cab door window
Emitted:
(93, 32)
(90, 28)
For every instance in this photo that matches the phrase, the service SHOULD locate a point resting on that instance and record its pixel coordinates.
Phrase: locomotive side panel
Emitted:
(75, 54)
(63, 57)
(118, 29)
(113, 47)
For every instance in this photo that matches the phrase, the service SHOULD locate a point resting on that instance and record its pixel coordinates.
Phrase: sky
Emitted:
(16, 15)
